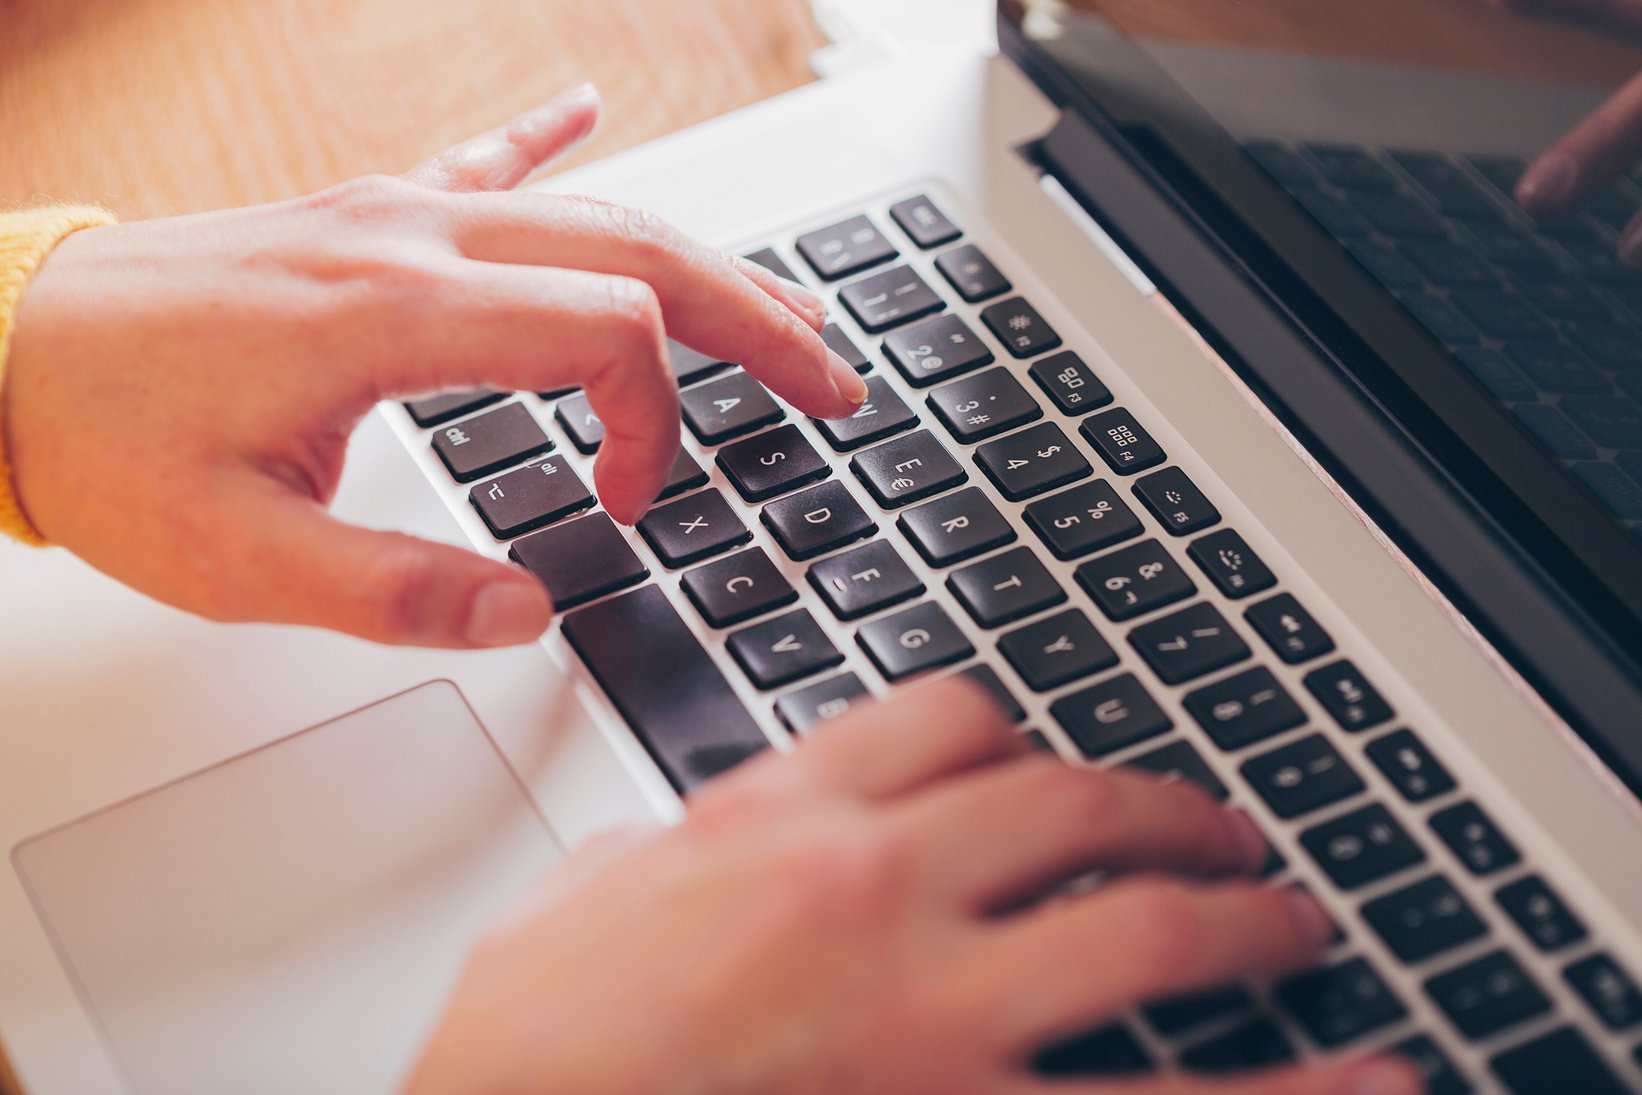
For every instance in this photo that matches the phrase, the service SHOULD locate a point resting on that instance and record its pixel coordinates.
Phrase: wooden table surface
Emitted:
(166, 106)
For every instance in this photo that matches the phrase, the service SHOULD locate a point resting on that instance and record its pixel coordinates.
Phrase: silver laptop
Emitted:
(1227, 420)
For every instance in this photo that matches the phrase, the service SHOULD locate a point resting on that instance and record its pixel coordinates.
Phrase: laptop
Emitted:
(1226, 419)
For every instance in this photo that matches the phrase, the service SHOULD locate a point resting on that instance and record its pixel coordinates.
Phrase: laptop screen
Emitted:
(1456, 180)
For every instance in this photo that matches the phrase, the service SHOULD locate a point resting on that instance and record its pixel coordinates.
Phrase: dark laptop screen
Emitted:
(1383, 154)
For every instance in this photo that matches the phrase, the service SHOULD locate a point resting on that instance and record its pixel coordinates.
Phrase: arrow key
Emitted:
(782, 650)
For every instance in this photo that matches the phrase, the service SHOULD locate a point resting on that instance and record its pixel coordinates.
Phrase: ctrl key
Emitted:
(580, 560)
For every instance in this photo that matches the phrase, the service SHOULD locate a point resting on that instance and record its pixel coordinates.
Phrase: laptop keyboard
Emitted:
(1543, 315)
(995, 509)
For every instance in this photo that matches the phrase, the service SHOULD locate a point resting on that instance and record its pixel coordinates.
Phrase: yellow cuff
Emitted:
(26, 238)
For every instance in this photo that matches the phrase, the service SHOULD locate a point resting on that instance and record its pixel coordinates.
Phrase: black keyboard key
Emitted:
(913, 640)
(436, 410)
(1188, 644)
(1619, 492)
(1410, 766)
(1243, 709)
(1426, 918)
(558, 393)
(783, 650)
(774, 263)
(896, 296)
(584, 428)
(1135, 580)
(686, 475)
(1361, 847)
(690, 365)
(845, 248)
(802, 709)
(1179, 760)
(1057, 650)
(1556, 367)
(1497, 374)
(1389, 266)
(1513, 249)
(1108, 716)
(1449, 188)
(960, 526)
(972, 274)
(1446, 322)
(1441, 1076)
(1612, 421)
(1487, 995)
(475, 447)
(1540, 913)
(666, 687)
(906, 469)
(1552, 429)
(530, 498)
(988, 679)
(1070, 383)
(1108, 1051)
(814, 521)
(1340, 1004)
(1121, 442)
(842, 345)
(865, 579)
(1289, 629)
(1179, 1014)
(1020, 328)
(728, 407)
(772, 463)
(1302, 776)
(1282, 163)
(739, 587)
(1502, 315)
(1255, 1044)
(1474, 838)
(1231, 564)
(1350, 167)
(923, 222)
(1175, 500)
(936, 350)
(883, 414)
(1349, 698)
(1398, 214)
(1083, 520)
(1336, 215)
(579, 560)
(1607, 989)
(980, 406)
(1005, 588)
(692, 528)
(1035, 460)
(1558, 1062)
(1450, 265)
(1610, 344)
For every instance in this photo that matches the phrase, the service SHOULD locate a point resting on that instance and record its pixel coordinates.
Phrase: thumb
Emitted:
(313, 569)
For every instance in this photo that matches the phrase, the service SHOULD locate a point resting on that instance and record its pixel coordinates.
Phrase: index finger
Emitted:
(1588, 157)
(506, 156)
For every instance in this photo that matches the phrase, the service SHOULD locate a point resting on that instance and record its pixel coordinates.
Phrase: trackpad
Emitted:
(292, 919)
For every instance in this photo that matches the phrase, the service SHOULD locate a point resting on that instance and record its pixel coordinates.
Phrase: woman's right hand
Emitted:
(868, 916)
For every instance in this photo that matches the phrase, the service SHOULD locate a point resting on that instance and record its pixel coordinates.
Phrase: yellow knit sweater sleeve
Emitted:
(26, 238)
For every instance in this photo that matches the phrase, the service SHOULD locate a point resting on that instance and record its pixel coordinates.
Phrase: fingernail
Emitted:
(807, 300)
(1547, 183)
(1630, 244)
(1312, 918)
(505, 613)
(1250, 840)
(850, 386)
(584, 92)
(1382, 1076)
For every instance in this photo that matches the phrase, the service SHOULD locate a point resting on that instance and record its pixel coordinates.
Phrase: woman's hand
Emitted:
(1603, 146)
(180, 392)
(866, 917)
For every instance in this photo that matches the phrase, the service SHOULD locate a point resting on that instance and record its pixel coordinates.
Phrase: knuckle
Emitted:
(854, 869)
(1088, 794)
(642, 229)
(370, 196)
